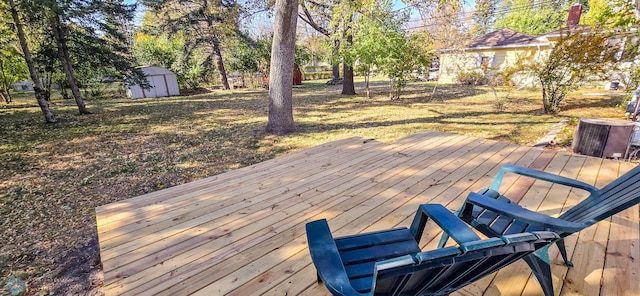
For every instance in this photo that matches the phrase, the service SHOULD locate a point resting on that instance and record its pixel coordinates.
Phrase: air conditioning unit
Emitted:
(606, 138)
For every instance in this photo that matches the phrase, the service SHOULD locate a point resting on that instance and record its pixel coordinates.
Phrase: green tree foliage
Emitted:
(12, 65)
(319, 15)
(577, 56)
(156, 50)
(530, 16)
(39, 91)
(484, 16)
(405, 56)
(380, 43)
(599, 13)
(154, 47)
(87, 37)
(618, 14)
(205, 27)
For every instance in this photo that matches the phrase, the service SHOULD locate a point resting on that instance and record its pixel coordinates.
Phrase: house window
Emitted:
(484, 61)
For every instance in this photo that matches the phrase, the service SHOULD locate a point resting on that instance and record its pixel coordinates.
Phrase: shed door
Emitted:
(160, 86)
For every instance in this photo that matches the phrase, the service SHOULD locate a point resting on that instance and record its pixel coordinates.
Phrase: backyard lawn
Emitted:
(52, 176)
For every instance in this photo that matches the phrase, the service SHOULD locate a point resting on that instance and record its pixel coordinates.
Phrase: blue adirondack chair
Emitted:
(390, 262)
(495, 215)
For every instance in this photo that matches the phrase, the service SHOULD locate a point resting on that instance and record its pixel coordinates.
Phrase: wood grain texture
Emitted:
(242, 232)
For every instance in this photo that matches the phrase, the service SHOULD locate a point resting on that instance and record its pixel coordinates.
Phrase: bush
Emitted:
(323, 68)
(318, 75)
(472, 78)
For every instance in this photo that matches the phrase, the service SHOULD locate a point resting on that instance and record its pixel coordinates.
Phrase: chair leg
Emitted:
(563, 252)
(539, 264)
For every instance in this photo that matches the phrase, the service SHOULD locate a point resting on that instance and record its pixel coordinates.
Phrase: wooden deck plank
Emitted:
(509, 281)
(395, 158)
(295, 193)
(368, 211)
(622, 270)
(189, 194)
(242, 232)
(593, 270)
(107, 210)
(230, 198)
(298, 277)
(513, 186)
(589, 252)
(353, 200)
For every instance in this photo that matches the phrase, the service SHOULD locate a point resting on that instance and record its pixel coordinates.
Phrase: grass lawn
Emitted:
(53, 175)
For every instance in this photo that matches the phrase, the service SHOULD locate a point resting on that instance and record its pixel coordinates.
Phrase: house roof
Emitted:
(567, 30)
(503, 38)
(587, 29)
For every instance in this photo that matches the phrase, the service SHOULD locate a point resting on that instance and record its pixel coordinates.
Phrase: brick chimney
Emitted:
(574, 15)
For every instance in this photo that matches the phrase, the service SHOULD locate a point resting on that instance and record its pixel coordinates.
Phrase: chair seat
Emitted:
(390, 262)
(360, 252)
(499, 224)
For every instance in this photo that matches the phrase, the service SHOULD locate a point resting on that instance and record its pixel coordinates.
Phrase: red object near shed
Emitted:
(297, 76)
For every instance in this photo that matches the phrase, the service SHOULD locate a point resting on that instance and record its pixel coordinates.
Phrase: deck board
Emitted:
(242, 232)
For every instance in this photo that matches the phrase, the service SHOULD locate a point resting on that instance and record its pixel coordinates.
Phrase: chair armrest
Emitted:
(517, 212)
(326, 258)
(497, 181)
(450, 223)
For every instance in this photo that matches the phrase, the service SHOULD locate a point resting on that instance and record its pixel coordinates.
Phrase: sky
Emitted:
(263, 22)
(137, 20)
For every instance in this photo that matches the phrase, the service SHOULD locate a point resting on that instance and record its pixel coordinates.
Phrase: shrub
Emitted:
(318, 75)
(472, 78)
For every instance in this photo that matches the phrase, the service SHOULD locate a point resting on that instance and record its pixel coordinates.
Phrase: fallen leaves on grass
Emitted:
(53, 176)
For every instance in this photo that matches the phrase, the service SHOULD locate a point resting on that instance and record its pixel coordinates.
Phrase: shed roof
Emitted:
(155, 70)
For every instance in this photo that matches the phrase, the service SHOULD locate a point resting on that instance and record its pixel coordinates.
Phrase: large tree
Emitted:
(318, 15)
(60, 36)
(577, 56)
(85, 35)
(40, 92)
(343, 25)
(12, 65)
(282, 64)
(381, 43)
(205, 25)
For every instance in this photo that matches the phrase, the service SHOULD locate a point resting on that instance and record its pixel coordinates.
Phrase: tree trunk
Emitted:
(282, 65)
(6, 96)
(63, 52)
(367, 76)
(37, 84)
(336, 68)
(348, 87)
(217, 55)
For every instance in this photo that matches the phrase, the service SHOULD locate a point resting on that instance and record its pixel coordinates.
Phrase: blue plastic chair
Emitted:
(495, 215)
(390, 262)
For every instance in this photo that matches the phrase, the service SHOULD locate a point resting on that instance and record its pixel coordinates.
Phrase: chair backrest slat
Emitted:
(611, 199)
(443, 274)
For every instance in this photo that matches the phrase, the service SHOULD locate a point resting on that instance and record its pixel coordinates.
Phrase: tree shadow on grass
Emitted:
(591, 102)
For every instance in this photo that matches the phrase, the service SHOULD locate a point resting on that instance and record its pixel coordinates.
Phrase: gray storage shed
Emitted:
(164, 83)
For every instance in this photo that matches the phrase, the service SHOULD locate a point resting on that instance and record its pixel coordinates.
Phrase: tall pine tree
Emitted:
(40, 93)
(205, 25)
(82, 34)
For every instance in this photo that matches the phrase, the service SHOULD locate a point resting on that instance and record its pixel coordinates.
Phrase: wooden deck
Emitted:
(242, 232)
